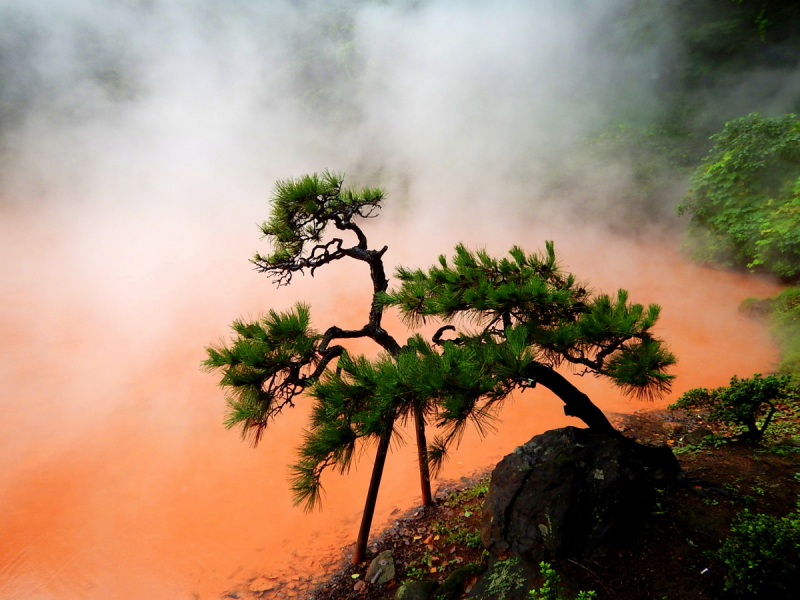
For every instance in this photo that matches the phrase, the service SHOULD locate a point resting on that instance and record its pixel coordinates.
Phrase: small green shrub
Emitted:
(761, 555)
(551, 589)
(749, 403)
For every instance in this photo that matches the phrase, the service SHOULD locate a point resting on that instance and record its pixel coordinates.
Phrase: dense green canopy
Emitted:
(745, 197)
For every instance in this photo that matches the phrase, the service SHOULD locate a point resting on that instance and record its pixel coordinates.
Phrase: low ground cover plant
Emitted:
(761, 555)
(551, 588)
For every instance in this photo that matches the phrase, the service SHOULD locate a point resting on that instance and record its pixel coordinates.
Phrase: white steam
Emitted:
(208, 103)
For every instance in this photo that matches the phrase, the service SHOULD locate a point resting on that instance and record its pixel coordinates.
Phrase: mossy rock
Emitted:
(416, 590)
(453, 586)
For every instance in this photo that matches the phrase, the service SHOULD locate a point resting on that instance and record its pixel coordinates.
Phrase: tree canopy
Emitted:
(744, 199)
(505, 323)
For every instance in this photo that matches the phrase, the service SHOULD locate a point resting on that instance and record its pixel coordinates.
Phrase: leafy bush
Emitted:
(744, 198)
(761, 555)
(551, 589)
(745, 402)
(785, 325)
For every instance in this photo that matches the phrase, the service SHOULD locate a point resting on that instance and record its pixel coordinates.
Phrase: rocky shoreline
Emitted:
(419, 545)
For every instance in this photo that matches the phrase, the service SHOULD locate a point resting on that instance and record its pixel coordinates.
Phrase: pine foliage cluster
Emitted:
(549, 312)
(264, 367)
(302, 209)
(506, 323)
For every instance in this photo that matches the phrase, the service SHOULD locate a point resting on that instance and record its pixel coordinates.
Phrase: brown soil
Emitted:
(670, 558)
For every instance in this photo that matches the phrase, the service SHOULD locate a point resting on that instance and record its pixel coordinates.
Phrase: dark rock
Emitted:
(673, 427)
(788, 441)
(454, 586)
(416, 590)
(697, 436)
(564, 494)
(381, 569)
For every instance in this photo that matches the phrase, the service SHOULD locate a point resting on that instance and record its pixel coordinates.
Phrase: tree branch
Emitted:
(349, 225)
(576, 403)
(437, 337)
(283, 271)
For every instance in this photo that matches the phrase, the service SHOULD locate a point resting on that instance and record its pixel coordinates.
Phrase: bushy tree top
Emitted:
(744, 198)
(522, 317)
(302, 210)
(529, 300)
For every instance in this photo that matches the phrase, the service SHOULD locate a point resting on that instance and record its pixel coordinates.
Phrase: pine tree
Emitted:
(272, 361)
(525, 318)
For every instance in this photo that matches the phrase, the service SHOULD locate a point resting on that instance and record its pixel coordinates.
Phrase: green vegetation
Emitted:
(706, 48)
(785, 326)
(527, 317)
(705, 445)
(744, 200)
(504, 577)
(453, 586)
(456, 531)
(750, 404)
(761, 555)
(551, 589)
(783, 315)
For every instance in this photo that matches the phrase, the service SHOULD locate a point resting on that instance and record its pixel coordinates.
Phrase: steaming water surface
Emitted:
(138, 143)
(117, 478)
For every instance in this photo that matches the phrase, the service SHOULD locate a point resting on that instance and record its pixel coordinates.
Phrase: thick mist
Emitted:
(200, 103)
(139, 143)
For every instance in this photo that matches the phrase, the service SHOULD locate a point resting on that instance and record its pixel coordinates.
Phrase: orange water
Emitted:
(117, 479)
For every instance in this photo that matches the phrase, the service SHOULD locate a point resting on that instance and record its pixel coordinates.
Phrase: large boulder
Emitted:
(565, 493)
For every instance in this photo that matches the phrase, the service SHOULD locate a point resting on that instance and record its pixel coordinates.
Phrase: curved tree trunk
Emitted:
(577, 404)
(372, 497)
(422, 455)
